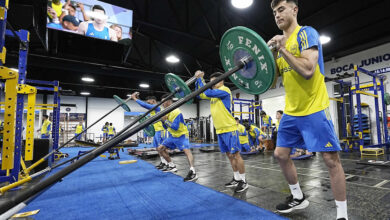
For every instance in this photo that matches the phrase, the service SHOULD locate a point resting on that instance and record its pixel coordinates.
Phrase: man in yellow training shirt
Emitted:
(306, 121)
(105, 131)
(256, 137)
(79, 129)
(178, 138)
(243, 137)
(45, 128)
(226, 128)
(266, 122)
(111, 131)
(159, 135)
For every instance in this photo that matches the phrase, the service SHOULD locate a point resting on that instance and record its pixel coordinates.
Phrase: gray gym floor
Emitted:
(368, 187)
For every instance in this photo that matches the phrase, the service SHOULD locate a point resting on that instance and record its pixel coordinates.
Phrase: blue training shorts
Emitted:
(229, 142)
(313, 132)
(158, 138)
(181, 142)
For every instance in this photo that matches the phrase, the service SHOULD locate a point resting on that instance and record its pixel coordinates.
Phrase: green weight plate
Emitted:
(122, 103)
(173, 82)
(258, 76)
(149, 130)
(387, 98)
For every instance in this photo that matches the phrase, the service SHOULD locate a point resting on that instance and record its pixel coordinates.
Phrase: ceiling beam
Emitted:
(50, 62)
(206, 21)
(173, 47)
(189, 35)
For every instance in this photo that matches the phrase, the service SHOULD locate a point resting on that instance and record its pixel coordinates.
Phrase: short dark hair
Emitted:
(151, 98)
(263, 113)
(274, 3)
(71, 19)
(165, 96)
(236, 118)
(110, 123)
(215, 75)
(280, 112)
(45, 116)
(99, 7)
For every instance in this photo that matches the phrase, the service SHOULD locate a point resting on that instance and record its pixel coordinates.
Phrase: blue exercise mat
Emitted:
(104, 189)
(302, 157)
(249, 152)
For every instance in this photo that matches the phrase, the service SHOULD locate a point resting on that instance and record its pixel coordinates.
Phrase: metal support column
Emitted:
(359, 109)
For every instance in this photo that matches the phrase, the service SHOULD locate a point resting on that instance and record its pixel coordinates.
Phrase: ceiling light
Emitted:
(144, 85)
(242, 3)
(172, 59)
(87, 79)
(324, 39)
(128, 95)
(85, 93)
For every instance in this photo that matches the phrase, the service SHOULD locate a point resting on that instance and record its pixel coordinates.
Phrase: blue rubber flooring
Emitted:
(105, 189)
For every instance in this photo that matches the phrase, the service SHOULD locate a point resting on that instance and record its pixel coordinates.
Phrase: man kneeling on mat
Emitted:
(178, 138)
(256, 137)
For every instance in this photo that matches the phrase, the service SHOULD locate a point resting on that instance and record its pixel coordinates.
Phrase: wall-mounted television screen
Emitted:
(90, 18)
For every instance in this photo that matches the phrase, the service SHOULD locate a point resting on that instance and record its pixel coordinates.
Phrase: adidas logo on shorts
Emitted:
(328, 145)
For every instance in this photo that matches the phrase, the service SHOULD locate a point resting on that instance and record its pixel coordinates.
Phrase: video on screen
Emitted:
(90, 18)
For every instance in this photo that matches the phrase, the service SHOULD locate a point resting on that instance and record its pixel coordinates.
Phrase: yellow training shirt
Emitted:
(220, 107)
(175, 123)
(303, 97)
(242, 134)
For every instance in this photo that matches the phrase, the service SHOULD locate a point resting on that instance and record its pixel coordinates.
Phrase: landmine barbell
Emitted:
(28, 169)
(236, 43)
(260, 60)
(179, 89)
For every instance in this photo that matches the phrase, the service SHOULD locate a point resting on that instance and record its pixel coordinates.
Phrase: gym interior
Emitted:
(201, 109)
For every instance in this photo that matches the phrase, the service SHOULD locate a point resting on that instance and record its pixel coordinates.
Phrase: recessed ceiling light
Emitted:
(144, 85)
(85, 93)
(242, 3)
(87, 79)
(324, 39)
(172, 59)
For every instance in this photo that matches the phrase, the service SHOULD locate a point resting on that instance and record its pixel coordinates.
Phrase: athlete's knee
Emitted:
(160, 148)
(282, 154)
(331, 159)
(187, 151)
(230, 156)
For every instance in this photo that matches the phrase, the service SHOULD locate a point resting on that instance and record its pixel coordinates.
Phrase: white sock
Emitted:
(171, 164)
(243, 177)
(193, 169)
(163, 160)
(341, 207)
(296, 191)
(237, 175)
